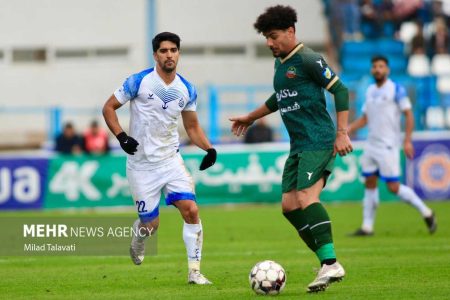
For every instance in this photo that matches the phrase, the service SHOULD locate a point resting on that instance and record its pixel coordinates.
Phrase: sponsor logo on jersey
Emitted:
(327, 73)
(181, 102)
(150, 97)
(290, 108)
(286, 93)
(291, 72)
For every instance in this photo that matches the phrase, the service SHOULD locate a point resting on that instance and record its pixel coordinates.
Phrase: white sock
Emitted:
(408, 195)
(193, 240)
(370, 204)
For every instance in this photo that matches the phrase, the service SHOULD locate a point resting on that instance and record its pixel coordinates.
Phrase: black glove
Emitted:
(209, 159)
(128, 144)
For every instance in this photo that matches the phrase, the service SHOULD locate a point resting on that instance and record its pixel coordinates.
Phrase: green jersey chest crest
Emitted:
(291, 72)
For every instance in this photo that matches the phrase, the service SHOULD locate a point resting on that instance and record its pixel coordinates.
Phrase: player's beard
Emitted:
(379, 78)
(168, 69)
(278, 53)
(275, 52)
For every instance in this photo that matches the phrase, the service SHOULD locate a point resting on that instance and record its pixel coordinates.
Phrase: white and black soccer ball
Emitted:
(267, 278)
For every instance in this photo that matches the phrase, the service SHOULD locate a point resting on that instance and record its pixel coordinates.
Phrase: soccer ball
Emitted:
(267, 278)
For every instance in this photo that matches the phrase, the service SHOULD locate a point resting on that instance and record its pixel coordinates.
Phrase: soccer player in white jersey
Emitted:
(158, 97)
(384, 104)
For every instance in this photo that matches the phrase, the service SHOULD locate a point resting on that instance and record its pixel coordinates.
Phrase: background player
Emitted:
(385, 101)
(299, 80)
(158, 97)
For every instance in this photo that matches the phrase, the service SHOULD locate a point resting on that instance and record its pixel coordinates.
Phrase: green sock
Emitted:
(298, 219)
(320, 227)
(326, 252)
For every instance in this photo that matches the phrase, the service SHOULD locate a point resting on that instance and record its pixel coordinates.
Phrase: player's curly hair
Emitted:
(165, 36)
(276, 17)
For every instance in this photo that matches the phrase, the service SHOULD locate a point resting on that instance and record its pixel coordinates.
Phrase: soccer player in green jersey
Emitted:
(300, 77)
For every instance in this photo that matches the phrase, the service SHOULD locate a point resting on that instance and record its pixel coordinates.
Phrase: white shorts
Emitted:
(173, 179)
(381, 161)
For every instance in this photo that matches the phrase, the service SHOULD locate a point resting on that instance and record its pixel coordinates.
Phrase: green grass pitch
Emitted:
(402, 261)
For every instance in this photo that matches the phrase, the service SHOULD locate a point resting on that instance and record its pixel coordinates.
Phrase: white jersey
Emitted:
(383, 108)
(155, 109)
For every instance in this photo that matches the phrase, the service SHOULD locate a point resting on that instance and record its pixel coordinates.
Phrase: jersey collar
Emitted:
(293, 51)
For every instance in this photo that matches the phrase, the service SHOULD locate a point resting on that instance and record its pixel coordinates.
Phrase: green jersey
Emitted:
(299, 82)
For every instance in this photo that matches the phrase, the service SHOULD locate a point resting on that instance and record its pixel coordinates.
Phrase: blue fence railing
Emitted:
(217, 103)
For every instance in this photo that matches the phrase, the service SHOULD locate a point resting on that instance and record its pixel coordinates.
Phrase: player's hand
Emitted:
(240, 125)
(209, 159)
(342, 145)
(128, 144)
(409, 149)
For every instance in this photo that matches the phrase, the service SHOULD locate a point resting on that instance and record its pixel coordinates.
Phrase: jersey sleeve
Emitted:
(130, 87)
(272, 103)
(192, 101)
(401, 97)
(191, 104)
(319, 70)
(364, 107)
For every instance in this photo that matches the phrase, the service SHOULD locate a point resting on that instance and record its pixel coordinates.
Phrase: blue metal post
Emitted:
(213, 114)
(55, 127)
(151, 29)
(250, 91)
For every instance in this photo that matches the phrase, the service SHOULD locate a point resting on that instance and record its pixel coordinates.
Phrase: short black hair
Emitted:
(276, 17)
(380, 57)
(165, 36)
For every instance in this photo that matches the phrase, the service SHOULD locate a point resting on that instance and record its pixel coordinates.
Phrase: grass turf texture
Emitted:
(402, 261)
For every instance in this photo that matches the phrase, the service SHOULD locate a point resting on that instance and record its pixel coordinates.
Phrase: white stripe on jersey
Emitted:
(383, 108)
(155, 109)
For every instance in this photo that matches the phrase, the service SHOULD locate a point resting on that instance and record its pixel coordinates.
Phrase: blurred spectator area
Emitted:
(414, 36)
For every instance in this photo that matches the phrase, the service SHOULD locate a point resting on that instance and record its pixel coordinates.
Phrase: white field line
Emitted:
(237, 254)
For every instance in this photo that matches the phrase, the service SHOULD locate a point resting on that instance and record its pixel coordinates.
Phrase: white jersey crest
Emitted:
(383, 108)
(155, 109)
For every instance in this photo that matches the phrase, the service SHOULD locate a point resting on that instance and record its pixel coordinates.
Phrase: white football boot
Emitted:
(326, 275)
(195, 277)
(137, 248)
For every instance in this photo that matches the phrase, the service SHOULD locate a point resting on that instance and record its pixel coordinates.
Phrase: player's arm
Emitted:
(404, 103)
(357, 124)
(198, 137)
(194, 131)
(128, 144)
(321, 73)
(240, 124)
(409, 127)
(110, 115)
(342, 145)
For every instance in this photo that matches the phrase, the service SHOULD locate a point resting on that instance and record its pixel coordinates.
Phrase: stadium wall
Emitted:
(242, 174)
(73, 54)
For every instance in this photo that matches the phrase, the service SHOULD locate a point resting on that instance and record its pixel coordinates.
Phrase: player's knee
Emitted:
(152, 226)
(287, 206)
(371, 182)
(305, 199)
(393, 187)
(191, 212)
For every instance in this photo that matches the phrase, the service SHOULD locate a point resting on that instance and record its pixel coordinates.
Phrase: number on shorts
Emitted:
(141, 206)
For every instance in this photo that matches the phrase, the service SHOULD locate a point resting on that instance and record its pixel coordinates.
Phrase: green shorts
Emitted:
(303, 169)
